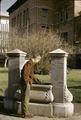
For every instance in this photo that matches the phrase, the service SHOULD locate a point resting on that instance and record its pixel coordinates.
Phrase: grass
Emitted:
(74, 78)
(44, 78)
(73, 82)
(3, 80)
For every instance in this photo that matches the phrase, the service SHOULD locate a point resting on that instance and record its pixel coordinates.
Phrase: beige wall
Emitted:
(77, 7)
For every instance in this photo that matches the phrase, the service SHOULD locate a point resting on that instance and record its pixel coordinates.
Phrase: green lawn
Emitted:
(3, 80)
(74, 84)
(74, 78)
(73, 81)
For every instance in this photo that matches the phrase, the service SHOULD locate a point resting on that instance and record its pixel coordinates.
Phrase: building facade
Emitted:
(4, 32)
(77, 22)
(4, 29)
(34, 15)
(31, 15)
(65, 20)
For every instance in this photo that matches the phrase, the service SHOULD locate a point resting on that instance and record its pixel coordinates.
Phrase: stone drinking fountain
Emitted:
(45, 100)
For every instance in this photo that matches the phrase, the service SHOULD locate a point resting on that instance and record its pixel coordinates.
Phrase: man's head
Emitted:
(36, 58)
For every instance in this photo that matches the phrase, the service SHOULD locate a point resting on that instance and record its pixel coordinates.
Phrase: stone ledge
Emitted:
(63, 109)
(36, 109)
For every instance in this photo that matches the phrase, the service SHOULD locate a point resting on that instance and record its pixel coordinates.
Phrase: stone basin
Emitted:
(39, 93)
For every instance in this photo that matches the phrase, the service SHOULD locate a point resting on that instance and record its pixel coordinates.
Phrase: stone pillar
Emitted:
(16, 59)
(63, 97)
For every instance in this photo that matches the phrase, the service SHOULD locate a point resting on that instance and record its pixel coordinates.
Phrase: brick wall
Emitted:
(54, 8)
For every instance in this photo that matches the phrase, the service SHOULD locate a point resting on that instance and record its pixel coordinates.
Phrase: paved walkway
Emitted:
(6, 117)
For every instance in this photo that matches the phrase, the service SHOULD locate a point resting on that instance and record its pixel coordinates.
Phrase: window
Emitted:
(45, 16)
(63, 14)
(20, 19)
(25, 17)
(64, 36)
(13, 22)
(66, 14)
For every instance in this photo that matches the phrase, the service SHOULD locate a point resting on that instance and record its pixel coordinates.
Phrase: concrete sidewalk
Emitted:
(6, 117)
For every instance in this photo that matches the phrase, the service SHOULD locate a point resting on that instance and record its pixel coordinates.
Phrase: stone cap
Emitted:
(16, 53)
(58, 52)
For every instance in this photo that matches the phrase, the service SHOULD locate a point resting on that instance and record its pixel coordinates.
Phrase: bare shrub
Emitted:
(40, 43)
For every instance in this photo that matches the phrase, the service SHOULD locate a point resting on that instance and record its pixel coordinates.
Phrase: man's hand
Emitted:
(30, 82)
(37, 81)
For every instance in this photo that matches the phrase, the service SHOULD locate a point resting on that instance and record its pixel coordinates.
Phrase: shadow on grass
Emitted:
(75, 87)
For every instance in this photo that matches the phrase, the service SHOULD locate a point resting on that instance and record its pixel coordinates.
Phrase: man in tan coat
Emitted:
(27, 77)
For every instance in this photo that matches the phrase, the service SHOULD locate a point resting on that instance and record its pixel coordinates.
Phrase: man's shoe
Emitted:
(22, 116)
(29, 115)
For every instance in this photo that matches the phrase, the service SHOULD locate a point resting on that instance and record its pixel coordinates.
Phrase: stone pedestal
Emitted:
(63, 109)
(36, 108)
(16, 59)
(62, 106)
